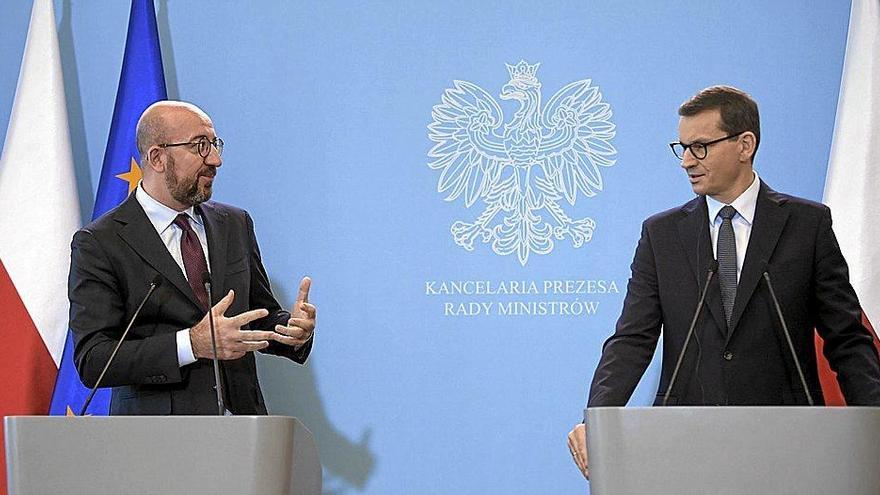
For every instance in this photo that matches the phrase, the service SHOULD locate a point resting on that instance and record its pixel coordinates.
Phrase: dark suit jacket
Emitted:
(113, 261)
(750, 364)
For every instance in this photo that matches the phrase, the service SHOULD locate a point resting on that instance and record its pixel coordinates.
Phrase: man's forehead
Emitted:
(700, 125)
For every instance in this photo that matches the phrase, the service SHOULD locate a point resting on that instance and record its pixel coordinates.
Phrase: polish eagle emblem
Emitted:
(521, 170)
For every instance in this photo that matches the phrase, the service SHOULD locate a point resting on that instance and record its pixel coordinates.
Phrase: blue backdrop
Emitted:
(325, 109)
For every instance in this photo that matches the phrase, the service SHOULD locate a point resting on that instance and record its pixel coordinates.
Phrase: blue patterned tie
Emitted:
(727, 261)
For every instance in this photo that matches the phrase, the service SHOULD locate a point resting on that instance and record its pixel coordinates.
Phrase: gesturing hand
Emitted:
(232, 341)
(301, 325)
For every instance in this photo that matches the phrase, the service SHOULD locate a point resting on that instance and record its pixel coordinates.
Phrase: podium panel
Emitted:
(734, 450)
(167, 454)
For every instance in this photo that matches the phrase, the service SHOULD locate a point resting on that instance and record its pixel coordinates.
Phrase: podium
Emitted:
(167, 454)
(734, 450)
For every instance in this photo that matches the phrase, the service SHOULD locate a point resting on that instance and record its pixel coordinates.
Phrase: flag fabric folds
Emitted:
(141, 83)
(853, 175)
(40, 213)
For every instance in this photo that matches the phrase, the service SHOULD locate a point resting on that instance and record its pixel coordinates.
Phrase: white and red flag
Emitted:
(852, 187)
(39, 212)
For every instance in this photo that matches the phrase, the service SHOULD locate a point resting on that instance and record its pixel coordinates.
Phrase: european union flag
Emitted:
(141, 84)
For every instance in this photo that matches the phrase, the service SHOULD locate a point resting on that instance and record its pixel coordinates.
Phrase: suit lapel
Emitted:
(141, 236)
(693, 231)
(770, 218)
(217, 231)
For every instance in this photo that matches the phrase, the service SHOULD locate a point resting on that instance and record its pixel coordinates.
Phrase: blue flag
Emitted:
(141, 84)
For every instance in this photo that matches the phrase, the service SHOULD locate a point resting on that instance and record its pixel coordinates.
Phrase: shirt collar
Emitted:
(744, 204)
(161, 216)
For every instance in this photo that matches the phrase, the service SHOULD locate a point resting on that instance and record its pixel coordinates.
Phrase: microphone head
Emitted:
(765, 269)
(713, 266)
(206, 278)
(157, 280)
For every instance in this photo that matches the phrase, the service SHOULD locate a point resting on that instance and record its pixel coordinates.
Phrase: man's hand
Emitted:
(301, 325)
(577, 445)
(232, 341)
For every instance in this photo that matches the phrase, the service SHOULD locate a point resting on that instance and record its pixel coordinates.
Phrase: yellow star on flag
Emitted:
(133, 176)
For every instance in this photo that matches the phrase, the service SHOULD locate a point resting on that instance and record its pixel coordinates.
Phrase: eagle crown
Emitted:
(523, 71)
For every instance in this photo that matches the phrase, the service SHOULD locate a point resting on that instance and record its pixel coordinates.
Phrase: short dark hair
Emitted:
(739, 112)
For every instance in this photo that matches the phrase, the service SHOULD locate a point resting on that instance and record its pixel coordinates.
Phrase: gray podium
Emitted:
(734, 450)
(162, 455)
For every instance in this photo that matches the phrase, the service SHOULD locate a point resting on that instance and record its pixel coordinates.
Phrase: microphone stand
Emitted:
(794, 357)
(157, 281)
(221, 409)
(690, 333)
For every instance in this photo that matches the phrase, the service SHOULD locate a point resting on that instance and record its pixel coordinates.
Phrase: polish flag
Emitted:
(39, 212)
(854, 172)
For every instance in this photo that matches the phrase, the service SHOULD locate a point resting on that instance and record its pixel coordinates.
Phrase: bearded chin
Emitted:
(185, 191)
(192, 195)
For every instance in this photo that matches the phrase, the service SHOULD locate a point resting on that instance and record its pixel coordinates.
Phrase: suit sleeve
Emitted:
(98, 316)
(849, 346)
(627, 353)
(261, 297)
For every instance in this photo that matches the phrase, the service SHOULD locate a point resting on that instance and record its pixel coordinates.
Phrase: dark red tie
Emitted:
(193, 258)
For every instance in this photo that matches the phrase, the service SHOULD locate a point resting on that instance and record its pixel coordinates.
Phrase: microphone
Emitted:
(157, 281)
(221, 409)
(712, 269)
(794, 357)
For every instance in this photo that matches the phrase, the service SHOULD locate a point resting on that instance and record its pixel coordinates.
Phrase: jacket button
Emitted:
(728, 355)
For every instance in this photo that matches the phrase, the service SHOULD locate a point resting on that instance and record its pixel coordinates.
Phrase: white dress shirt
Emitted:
(162, 218)
(742, 221)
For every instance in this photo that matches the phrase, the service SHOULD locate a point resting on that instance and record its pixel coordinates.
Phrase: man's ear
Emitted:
(155, 159)
(748, 141)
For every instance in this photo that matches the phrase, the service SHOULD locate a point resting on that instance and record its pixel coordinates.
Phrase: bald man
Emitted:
(169, 228)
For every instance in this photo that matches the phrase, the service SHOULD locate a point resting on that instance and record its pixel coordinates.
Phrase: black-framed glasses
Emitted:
(698, 149)
(202, 144)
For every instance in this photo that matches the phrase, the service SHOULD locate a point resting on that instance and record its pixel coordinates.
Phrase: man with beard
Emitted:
(168, 228)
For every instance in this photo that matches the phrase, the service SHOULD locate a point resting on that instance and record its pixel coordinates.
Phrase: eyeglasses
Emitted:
(699, 150)
(202, 144)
